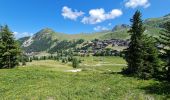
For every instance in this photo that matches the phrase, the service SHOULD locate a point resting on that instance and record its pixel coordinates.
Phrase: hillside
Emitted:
(157, 22)
(41, 41)
(49, 40)
(153, 27)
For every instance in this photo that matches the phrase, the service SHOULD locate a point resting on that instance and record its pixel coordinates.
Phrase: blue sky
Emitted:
(26, 17)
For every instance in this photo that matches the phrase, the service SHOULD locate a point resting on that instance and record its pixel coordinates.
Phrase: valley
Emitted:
(49, 41)
(84, 50)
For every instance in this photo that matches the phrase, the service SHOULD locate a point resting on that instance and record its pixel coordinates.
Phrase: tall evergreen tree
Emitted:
(9, 49)
(142, 54)
(134, 54)
(151, 66)
(165, 43)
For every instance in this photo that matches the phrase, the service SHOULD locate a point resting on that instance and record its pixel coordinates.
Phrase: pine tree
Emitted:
(165, 42)
(9, 49)
(133, 53)
(151, 62)
(142, 54)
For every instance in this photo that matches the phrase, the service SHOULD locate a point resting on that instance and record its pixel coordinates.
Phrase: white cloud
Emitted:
(99, 15)
(101, 28)
(137, 3)
(15, 33)
(110, 24)
(70, 14)
(20, 35)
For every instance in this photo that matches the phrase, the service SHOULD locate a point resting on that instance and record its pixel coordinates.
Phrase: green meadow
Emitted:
(100, 79)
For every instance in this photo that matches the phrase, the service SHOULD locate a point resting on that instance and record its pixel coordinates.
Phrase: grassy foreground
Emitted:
(47, 80)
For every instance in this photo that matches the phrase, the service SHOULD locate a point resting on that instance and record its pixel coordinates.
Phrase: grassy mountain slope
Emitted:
(41, 41)
(22, 40)
(119, 34)
(157, 22)
(85, 36)
(47, 39)
(153, 27)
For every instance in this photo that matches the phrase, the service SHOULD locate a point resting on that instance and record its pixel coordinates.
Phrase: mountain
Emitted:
(157, 22)
(168, 15)
(41, 41)
(48, 40)
(153, 27)
(120, 27)
(23, 39)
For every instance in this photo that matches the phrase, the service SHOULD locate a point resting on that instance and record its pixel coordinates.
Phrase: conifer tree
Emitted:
(165, 42)
(134, 54)
(9, 49)
(151, 66)
(142, 54)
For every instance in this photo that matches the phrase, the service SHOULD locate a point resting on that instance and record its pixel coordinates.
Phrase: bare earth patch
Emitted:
(74, 70)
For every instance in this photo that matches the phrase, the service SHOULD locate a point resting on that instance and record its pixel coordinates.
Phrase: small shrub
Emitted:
(63, 60)
(75, 62)
(23, 63)
(30, 60)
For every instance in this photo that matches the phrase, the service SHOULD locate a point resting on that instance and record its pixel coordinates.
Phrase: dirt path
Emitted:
(105, 65)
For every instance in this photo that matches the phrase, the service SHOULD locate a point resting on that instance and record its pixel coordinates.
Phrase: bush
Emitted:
(70, 58)
(30, 60)
(75, 62)
(63, 60)
(23, 63)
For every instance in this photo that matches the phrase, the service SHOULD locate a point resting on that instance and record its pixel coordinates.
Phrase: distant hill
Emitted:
(49, 40)
(153, 27)
(157, 22)
(41, 41)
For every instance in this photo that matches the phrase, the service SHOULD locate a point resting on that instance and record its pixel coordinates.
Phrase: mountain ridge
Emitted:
(47, 38)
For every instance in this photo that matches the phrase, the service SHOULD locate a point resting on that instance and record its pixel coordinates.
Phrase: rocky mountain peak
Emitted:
(120, 27)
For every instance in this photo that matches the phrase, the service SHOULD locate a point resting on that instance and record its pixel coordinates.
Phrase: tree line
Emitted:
(62, 56)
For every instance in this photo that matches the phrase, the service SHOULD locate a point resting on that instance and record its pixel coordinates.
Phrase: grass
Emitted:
(47, 80)
(85, 36)
(50, 65)
(120, 34)
(102, 60)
